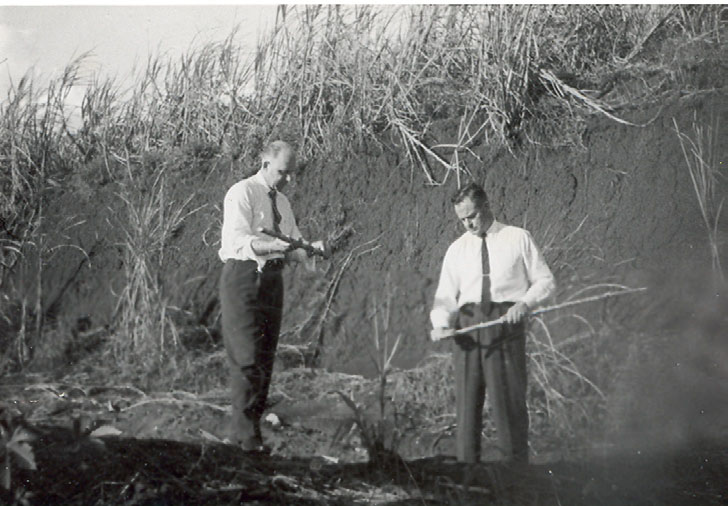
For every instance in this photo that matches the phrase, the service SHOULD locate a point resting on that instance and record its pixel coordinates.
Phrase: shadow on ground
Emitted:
(79, 469)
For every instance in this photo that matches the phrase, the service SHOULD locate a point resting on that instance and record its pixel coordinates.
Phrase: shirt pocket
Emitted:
(509, 267)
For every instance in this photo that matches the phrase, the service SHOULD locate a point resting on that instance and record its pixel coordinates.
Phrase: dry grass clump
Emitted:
(358, 76)
(149, 220)
(34, 156)
(570, 373)
(564, 399)
(701, 157)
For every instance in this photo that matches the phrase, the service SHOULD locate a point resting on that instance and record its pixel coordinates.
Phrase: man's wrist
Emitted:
(438, 333)
(264, 247)
(258, 247)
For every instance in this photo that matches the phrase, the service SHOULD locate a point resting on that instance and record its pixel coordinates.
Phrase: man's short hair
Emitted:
(471, 191)
(273, 149)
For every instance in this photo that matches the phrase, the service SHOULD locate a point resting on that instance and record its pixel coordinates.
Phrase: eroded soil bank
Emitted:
(619, 208)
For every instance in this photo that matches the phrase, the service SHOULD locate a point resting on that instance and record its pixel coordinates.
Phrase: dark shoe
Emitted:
(256, 447)
(260, 449)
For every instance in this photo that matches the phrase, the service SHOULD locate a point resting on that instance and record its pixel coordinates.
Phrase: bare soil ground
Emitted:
(170, 451)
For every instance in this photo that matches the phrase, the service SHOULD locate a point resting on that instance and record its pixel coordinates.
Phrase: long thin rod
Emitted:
(547, 309)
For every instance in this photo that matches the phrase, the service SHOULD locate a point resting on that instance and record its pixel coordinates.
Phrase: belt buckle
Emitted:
(275, 264)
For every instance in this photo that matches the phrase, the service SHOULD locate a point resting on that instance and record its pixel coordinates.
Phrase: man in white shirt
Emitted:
(491, 271)
(251, 286)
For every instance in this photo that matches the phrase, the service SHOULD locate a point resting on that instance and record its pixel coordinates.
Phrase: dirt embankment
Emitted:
(621, 210)
(617, 209)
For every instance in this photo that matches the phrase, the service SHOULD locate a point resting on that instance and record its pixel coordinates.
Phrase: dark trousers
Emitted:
(502, 369)
(251, 319)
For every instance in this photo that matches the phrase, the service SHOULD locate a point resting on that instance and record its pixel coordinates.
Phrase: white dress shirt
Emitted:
(518, 272)
(247, 208)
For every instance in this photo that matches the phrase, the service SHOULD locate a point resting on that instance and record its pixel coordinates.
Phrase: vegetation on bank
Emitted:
(335, 80)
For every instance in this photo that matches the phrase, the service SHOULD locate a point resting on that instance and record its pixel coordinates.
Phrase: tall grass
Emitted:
(149, 221)
(34, 156)
(348, 77)
(700, 153)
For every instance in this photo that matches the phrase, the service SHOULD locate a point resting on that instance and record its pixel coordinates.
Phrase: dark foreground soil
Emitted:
(169, 450)
(119, 470)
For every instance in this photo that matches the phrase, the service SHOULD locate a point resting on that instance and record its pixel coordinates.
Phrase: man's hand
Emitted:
(516, 313)
(304, 256)
(439, 333)
(320, 245)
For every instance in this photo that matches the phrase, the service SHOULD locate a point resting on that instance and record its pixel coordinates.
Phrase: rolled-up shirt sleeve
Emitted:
(540, 278)
(446, 297)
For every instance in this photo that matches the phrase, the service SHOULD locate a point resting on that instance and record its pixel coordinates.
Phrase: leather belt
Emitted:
(469, 308)
(274, 265)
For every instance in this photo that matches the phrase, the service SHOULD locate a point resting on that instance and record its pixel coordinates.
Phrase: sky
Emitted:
(47, 38)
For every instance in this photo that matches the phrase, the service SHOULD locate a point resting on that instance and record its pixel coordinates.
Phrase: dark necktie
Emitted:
(276, 215)
(485, 295)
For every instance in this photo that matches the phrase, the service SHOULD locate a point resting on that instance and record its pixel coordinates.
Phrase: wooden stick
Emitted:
(296, 243)
(501, 320)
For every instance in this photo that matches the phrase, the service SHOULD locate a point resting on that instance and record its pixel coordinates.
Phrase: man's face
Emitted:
(476, 219)
(279, 169)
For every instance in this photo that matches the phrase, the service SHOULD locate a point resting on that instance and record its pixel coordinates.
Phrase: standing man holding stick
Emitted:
(491, 271)
(251, 285)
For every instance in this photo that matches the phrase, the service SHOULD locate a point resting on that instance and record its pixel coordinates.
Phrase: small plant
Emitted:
(380, 432)
(560, 391)
(86, 430)
(700, 156)
(14, 447)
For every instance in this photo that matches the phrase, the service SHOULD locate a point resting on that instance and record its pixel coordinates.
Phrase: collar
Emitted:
(494, 228)
(258, 178)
